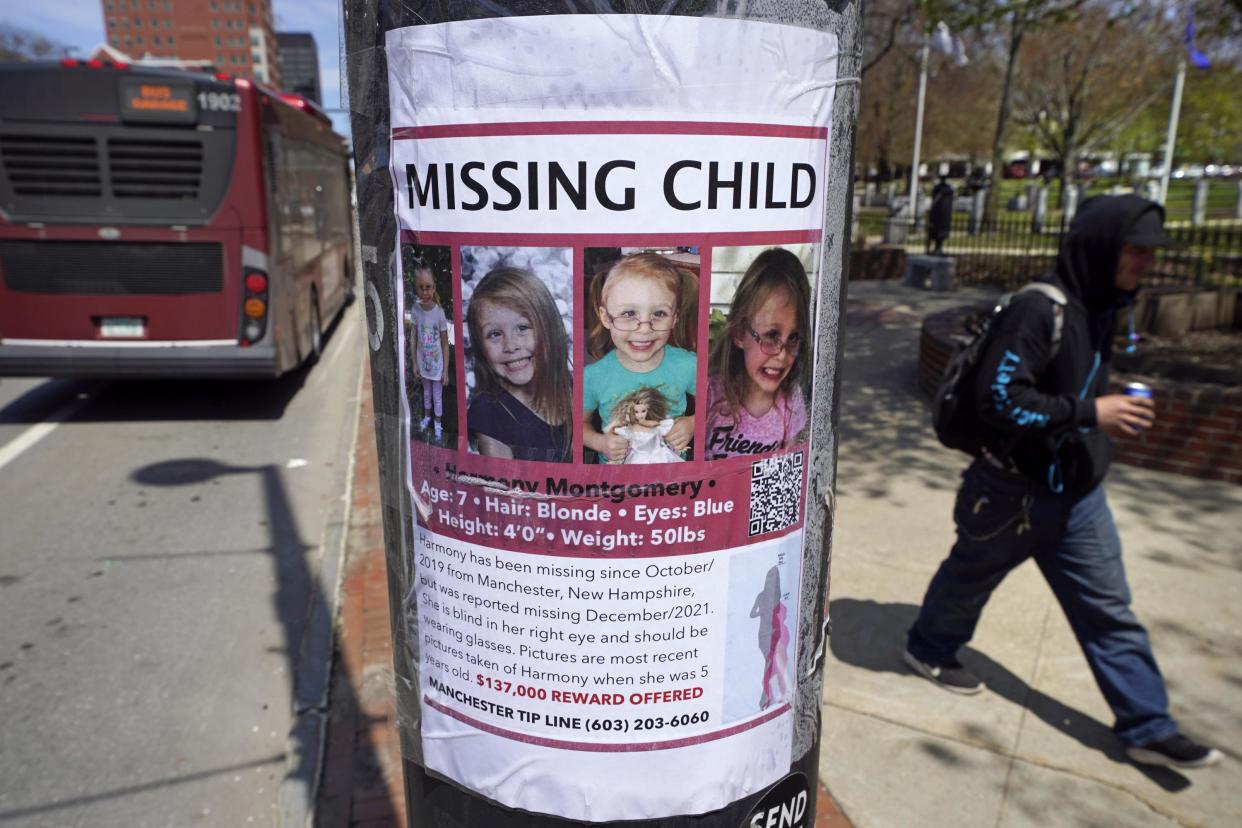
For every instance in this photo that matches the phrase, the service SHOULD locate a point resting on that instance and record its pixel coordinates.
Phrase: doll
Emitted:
(639, 418)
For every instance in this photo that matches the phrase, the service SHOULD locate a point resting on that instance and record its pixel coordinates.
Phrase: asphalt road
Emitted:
(162, 547)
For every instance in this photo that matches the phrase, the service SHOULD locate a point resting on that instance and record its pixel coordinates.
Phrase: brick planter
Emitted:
(1198, 430)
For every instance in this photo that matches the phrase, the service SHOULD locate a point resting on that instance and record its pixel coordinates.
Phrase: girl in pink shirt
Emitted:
(759, 362)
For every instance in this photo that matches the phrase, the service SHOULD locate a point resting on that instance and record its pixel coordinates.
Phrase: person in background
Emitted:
(940, 216)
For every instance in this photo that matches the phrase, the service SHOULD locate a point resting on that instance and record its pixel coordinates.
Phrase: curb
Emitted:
(304, 747)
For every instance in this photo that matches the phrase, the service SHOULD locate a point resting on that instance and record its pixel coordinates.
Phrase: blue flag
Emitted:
(1196, 57)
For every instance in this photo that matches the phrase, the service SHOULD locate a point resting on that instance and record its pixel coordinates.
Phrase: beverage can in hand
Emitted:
(1138, 389)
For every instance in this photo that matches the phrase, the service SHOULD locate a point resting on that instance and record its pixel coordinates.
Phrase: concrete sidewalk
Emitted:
(1036, 747)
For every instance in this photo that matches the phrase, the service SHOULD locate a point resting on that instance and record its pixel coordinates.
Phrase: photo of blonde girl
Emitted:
(519, 352)
(428, 284)
(640, 417)
(642, 335)
(759, 360)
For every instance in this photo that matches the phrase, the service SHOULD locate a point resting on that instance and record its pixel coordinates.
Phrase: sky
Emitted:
(78, 24)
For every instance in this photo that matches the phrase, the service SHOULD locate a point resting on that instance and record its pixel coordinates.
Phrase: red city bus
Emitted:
(156, 222)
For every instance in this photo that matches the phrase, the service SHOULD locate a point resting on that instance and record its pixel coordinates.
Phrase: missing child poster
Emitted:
(609, 259)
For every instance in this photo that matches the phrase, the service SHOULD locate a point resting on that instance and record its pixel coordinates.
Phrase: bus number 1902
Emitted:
(219, 101)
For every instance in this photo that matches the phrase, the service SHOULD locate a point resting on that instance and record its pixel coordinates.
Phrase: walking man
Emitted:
(1037, 492)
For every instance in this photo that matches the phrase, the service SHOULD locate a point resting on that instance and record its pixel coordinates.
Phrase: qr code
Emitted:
(775, 493)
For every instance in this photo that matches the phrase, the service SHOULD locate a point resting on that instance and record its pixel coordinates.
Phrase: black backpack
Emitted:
(954, 415)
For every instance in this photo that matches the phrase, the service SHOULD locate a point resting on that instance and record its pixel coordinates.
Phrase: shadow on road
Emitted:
(304, 605)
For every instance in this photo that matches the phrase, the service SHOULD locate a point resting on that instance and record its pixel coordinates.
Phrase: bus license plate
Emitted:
(122, 327)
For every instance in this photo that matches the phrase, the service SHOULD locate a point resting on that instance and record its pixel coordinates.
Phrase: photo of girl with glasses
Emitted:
(643, 336)
(521, 405)
(759, 362)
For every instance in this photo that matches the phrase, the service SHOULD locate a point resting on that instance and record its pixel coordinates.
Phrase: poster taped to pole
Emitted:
(609, 260)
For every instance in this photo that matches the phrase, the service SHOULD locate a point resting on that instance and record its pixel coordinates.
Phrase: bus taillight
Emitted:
(254, 307)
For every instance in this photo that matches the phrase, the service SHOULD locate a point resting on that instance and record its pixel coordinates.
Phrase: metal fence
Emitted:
(1010, 251)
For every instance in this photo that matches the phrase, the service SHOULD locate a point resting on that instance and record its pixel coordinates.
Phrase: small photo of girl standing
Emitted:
(641, 335)
(760, 353)
(519, 365)
(428, 282)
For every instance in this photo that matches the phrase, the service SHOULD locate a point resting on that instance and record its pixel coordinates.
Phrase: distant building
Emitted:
(234, 36)
(298, 57)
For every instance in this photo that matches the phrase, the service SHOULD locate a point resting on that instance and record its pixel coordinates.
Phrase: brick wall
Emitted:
(1198, 429)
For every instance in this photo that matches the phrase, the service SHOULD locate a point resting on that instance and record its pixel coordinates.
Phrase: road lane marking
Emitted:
(13, 449)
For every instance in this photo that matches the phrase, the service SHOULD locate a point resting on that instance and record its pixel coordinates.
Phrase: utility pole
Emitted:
(524, 700)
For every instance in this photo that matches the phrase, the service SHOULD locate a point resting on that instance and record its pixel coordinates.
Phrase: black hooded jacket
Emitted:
(1041, 405)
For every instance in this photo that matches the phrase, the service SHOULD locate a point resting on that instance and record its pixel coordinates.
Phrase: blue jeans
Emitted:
(1002, 521)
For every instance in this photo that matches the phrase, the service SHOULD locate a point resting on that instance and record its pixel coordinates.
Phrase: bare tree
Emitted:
(22, 44)
(886, 24)
(886, 113)
(895, 32)
(1018, 18)
(1079, 82)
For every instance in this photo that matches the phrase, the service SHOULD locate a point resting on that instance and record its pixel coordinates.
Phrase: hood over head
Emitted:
(1087, 261)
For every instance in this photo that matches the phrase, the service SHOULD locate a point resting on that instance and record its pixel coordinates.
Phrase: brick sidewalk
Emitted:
(361, 785)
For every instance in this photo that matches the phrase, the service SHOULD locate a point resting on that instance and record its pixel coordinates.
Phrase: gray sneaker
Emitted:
(952, 676)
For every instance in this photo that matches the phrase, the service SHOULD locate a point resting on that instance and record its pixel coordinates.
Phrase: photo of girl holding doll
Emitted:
(521, 407)
(429, 346)
(640, 418)
(643, 337)
(759, 361)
